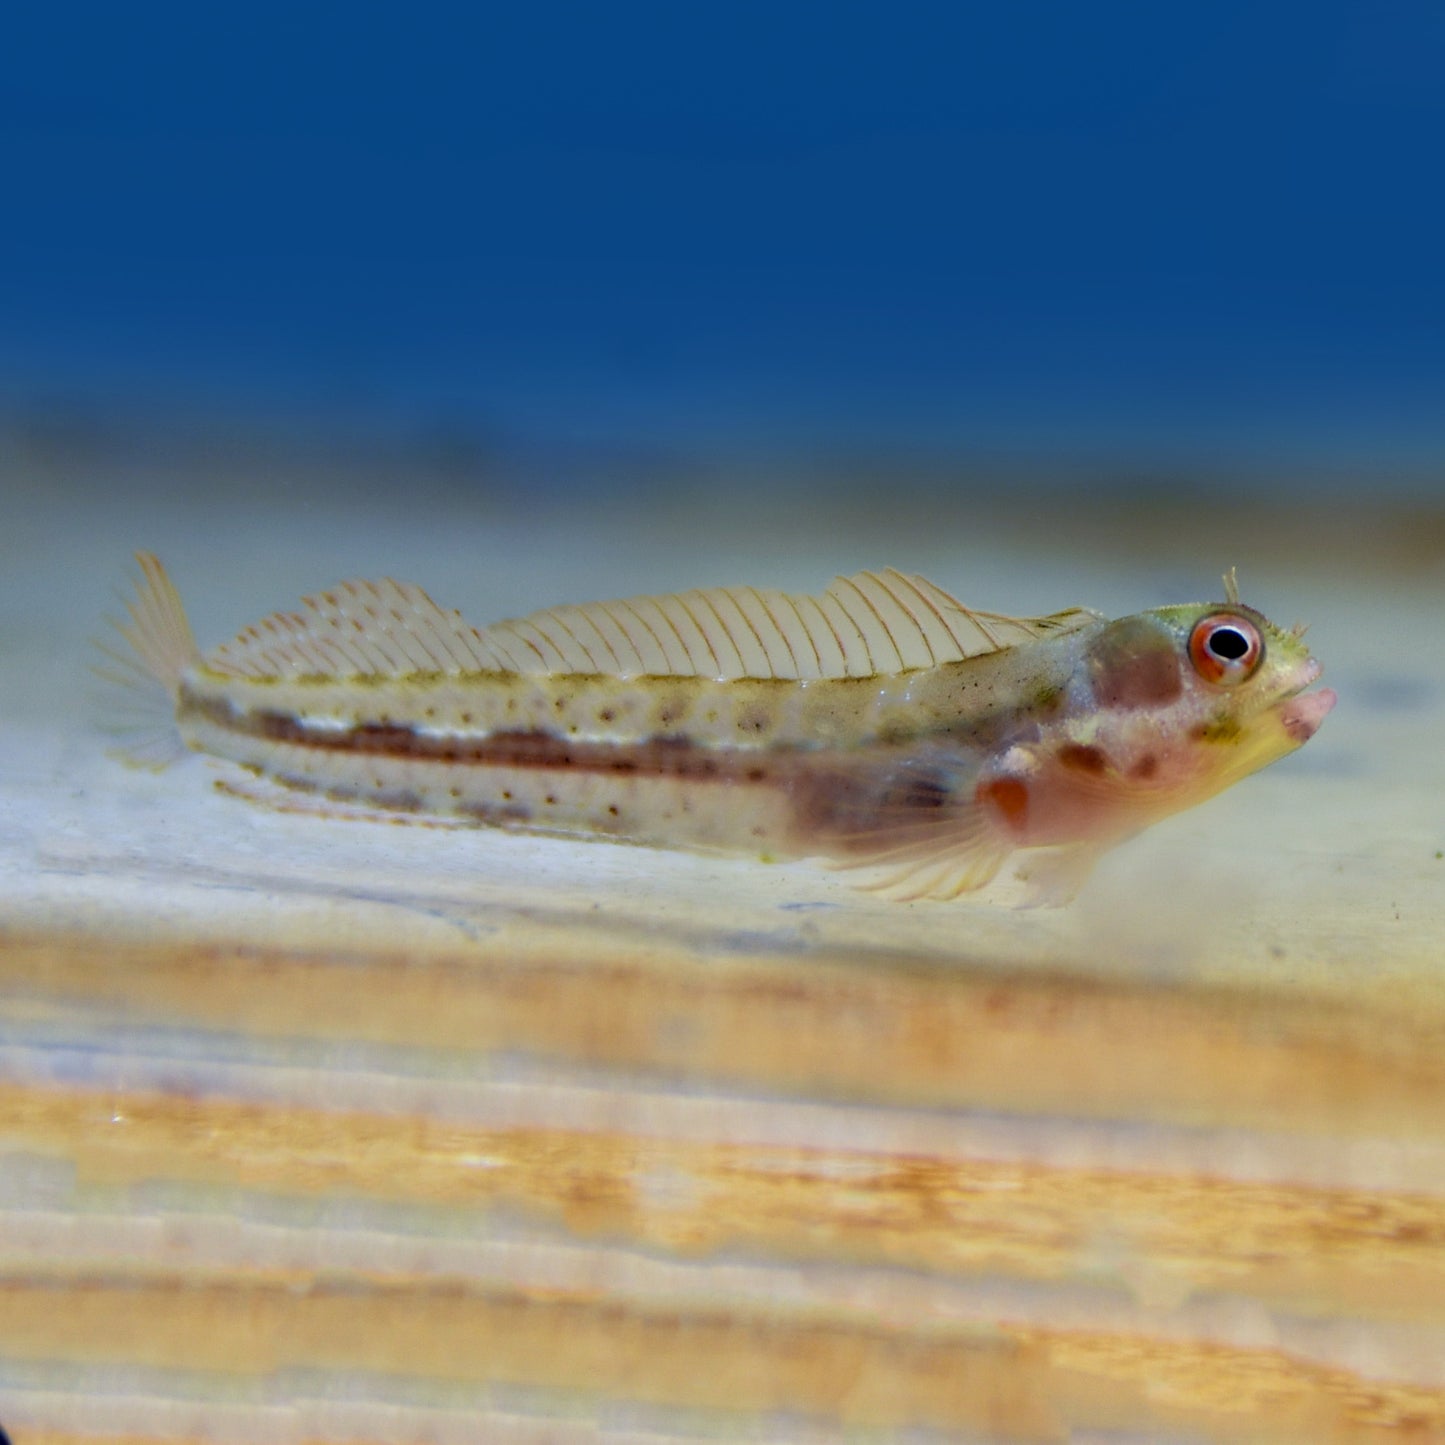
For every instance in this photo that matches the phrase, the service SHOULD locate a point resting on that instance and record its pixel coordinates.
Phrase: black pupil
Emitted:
(1228, 643)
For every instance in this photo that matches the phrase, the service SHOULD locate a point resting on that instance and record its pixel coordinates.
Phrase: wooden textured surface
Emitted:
(321, 1131)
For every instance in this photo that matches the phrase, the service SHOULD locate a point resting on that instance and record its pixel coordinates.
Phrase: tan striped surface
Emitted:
(323, 1132)
(237, 1226)
(1381, 1256)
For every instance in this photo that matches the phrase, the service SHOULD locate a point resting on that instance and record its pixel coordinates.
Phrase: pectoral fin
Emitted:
(936, 859)
(1054, 876)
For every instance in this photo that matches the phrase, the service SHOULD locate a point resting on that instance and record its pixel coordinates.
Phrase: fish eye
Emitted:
(1225, 648)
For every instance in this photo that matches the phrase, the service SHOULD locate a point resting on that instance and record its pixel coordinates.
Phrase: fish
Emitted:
(880, 725)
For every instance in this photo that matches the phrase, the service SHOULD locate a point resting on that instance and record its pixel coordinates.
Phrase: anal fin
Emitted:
(279, 797)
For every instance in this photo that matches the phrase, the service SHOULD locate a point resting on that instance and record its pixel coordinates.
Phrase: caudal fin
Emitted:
(161, 648)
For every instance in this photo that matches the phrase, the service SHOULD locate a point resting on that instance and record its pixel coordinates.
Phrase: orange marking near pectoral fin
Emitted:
(1008, 800)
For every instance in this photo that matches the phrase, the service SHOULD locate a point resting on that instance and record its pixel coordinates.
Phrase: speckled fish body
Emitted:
(881, 724)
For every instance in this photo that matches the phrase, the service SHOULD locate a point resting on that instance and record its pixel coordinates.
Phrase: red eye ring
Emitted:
(1225, 648)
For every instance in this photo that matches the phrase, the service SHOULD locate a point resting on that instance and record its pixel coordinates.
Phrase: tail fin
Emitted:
(161, 649)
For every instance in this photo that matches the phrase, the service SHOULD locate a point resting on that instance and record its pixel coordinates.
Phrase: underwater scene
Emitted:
(723, 726)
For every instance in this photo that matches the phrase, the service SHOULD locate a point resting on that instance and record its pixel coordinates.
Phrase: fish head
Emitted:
(1218, 683)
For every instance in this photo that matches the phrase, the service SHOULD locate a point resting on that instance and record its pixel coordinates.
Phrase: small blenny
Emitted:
(881, 724)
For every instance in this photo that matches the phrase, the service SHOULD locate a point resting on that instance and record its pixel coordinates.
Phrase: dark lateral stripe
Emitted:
(657, 757)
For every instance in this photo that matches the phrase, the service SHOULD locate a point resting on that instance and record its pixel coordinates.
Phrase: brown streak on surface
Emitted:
(1380, 1255)
(735, 1361)
(1013, 1382)
(862, 1029)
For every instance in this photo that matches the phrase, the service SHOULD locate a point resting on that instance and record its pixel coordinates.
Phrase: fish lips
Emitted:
(1301, 715)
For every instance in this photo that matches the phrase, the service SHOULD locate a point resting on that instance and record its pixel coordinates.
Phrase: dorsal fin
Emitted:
(862, 626)
(866, 625)
(359, 629)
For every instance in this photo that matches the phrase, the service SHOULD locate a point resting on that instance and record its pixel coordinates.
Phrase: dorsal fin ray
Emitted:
(363, 629)
(869, 624)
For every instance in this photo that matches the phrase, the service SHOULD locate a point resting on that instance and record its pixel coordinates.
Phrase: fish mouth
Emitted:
(1301, 715)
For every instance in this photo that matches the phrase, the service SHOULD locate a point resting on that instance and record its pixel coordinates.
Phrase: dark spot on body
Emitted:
(1221, 729)
(1083, 758)
(383, 737)
(851, 806)
(1134, 663)
(1047, 699)
(1145, 768)
(834, 802)
(922, 794)
(400, 800)
(606, 715)
(300, 783)
(495, 817)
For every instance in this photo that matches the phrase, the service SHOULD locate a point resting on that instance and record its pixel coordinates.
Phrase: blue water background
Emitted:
(1210, 236)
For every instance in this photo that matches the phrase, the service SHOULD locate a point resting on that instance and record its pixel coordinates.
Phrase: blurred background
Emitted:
(1063, 268)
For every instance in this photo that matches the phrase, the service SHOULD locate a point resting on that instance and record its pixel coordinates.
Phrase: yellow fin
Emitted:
(862, 626)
